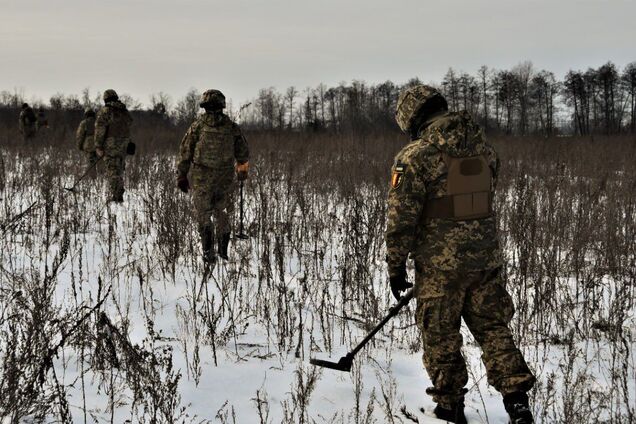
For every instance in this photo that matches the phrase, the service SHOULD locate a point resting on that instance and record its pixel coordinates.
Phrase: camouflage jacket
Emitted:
(42, 121)
(212, 141)
(443, 244)
(27, 122)
(112, 129)
(85, 134)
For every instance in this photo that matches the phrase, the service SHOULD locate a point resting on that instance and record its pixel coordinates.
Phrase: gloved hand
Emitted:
(398, 282)
(242, 170)
(183, 184)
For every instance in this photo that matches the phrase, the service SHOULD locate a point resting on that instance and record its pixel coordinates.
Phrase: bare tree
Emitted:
(483, 79)
(160, 103)
(188, 107)
(289, 97)
(629, 82)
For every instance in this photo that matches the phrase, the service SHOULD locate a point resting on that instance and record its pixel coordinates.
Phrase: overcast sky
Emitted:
(239, 46)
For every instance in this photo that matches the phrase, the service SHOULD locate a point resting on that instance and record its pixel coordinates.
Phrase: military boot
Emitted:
(453, 415)
(223, 245)
(518, 408)
(207, 242)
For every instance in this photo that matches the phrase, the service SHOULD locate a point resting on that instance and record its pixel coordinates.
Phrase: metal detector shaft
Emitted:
(404, 300)
(90, 168)
(241, 235)
(346, 362)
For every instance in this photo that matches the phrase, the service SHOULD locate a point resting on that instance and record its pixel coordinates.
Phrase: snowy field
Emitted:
(107, 313)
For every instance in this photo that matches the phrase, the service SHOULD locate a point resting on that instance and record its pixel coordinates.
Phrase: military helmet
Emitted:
(25, 105)
(212, 99)
(416, 103)
(89, 112)
(110, 94)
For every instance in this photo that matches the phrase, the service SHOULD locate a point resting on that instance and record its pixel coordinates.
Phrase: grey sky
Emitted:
(239, 46)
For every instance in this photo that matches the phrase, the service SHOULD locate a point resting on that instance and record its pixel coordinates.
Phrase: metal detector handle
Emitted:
(395, 309)
(241, 235)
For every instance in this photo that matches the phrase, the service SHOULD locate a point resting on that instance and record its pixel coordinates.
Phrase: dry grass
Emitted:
(311, 276)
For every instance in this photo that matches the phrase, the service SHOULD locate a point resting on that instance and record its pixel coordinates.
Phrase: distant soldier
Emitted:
(112, 138)
(27, 123)
(85, 139)
(42, 122)
(440, 211)
(212, 150)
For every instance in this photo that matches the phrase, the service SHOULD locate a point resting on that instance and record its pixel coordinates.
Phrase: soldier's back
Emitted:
(118, 119)
(215, 146)
(458, 172)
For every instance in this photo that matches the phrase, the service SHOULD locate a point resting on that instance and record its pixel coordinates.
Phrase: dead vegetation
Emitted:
(85, 288)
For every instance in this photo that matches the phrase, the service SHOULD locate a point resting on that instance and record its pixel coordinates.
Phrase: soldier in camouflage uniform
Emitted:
(85, 139)
(27, 123)
(42, 122)
(212, 151)
(112, 136)
(440, 212)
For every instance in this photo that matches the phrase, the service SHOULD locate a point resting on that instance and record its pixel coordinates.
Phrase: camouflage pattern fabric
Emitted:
(42, 123)
(439, 243)
(481, 299)
(112, 135)
(455, 261)
(212, 99)
(27, 124)
(92, 160)
(210, 148)
(410, 103)
(84, 136)
(213, 197)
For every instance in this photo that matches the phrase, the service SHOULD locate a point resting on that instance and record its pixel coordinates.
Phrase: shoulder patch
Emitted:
(397, 177)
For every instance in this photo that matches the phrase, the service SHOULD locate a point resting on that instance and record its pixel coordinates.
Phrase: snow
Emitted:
(250, 363)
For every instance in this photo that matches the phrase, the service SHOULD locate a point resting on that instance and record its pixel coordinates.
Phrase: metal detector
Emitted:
(346, 362)
(241, 235)
(90, 168)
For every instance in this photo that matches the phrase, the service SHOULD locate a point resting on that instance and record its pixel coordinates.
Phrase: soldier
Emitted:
(112, 138)
(212, 150)
(85, 138)
(27, 123)
(42, 121)
(440, 211)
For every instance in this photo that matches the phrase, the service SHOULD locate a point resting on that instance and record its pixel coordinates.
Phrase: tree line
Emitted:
(517, 101)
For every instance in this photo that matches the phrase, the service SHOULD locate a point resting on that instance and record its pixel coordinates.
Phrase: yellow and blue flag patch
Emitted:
(398, 175)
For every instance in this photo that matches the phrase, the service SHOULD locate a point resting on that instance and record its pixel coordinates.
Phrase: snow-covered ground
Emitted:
(308, 283)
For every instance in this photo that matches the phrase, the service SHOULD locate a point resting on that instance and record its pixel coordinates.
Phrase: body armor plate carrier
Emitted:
(468, 188)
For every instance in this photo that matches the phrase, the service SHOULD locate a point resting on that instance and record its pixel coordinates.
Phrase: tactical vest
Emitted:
(468, 190)
(215, 147)
(119, 126)
(29, 117)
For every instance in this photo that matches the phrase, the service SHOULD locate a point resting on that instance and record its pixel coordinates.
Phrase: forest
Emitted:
(520, 101)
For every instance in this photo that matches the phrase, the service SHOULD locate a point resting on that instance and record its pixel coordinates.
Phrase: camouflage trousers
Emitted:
(480, 298)
(213, 197)
(28, 136)
(114, 171)
(91, 168)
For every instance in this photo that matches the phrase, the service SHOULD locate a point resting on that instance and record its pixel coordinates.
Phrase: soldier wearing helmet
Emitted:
(112, 137)
(84, 138)
(27, 123)
(212, 151)
(440, 212)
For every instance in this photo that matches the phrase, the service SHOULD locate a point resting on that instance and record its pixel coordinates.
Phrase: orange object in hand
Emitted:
(242, 170)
